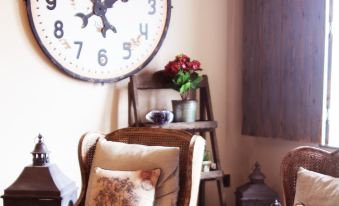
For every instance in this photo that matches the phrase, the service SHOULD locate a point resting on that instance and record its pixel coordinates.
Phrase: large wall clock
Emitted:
(99, 40)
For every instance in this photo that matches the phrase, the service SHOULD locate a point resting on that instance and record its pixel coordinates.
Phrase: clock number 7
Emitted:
(80, 47)
(152, 3)
(51, 4)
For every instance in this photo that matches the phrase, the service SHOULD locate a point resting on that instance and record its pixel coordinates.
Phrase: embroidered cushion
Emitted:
(131, 157)
(115, 188)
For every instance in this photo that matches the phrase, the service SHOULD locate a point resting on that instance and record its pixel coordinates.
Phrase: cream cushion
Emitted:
(315, 189)
(130, 157)
(135, 188)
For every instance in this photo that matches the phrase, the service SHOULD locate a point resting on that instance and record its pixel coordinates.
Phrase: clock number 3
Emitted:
(58, 29)
(102, 58)
(51, 4)
(152, 3)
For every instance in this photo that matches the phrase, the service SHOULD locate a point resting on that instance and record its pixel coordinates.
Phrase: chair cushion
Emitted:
(135, 188)
(314, 189)
(130, 157)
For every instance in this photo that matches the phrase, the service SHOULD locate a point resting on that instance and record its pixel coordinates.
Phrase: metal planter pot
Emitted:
(184, 110)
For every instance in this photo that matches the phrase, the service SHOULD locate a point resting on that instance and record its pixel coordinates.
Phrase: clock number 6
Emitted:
(152, 3)
(102, 58)
(58, 31)
(51, 4)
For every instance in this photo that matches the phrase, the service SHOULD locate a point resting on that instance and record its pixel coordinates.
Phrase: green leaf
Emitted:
(186, 77)
(180, 78)
(185, 87)
(196, 82)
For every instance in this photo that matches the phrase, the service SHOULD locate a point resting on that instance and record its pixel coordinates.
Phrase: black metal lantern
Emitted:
(40, 153)
(41, 184)
(255, 192)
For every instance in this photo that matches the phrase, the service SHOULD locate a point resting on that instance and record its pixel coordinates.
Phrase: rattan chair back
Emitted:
(310, 158)
(145, 136)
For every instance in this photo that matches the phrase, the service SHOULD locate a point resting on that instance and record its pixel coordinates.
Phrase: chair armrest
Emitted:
(85, 154)
(198, 154)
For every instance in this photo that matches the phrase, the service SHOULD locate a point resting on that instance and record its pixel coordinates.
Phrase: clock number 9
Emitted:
(51, 4)
(58, 31)
(152, 3)
(102, 58)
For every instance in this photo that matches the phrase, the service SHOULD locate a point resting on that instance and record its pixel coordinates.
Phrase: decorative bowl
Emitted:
(160, 117)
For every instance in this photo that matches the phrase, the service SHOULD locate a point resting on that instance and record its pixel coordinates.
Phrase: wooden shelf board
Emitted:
(191, 126)
(211, 175)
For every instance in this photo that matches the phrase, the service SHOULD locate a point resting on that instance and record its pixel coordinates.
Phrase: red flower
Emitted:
(195, 65)
(183, 73)
(182, 58)
(172, 68)
(183, 62)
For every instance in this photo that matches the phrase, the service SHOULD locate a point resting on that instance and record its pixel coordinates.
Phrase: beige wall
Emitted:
(38, 98)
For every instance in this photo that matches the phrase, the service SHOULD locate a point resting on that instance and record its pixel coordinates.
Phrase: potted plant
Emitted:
(183, 73)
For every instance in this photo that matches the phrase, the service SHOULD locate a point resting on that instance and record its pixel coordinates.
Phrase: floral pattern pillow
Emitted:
(123, 188)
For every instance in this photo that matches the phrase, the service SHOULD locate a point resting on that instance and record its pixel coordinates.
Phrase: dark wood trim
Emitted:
(283, 69)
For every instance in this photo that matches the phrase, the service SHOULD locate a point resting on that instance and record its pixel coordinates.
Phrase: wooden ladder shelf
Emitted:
(204, 125)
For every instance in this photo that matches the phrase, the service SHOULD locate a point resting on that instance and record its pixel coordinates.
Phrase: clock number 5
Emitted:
(102, 58)
(152, 3)
(58, 29)
(127, 46)
(51, 4)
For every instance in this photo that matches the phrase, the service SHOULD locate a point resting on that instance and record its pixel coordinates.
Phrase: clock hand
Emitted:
(84, 18)
(109, 3)
(100, 9)
(107, 26)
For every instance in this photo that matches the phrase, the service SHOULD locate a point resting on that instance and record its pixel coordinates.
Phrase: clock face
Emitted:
(99, 40)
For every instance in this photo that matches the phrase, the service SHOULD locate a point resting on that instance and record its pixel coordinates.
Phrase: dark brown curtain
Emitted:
(283, 64)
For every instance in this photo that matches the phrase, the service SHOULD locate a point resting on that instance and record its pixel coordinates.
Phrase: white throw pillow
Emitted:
(315, 189)
(130, 157)
(135, 188)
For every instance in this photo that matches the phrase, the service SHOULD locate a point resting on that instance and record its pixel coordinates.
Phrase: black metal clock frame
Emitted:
(94, 80)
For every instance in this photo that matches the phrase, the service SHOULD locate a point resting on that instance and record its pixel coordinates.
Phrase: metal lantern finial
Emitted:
(257, 176)
(40, 153)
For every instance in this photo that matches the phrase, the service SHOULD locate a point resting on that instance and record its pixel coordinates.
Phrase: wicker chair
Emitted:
(190, 157)
(310, 158)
